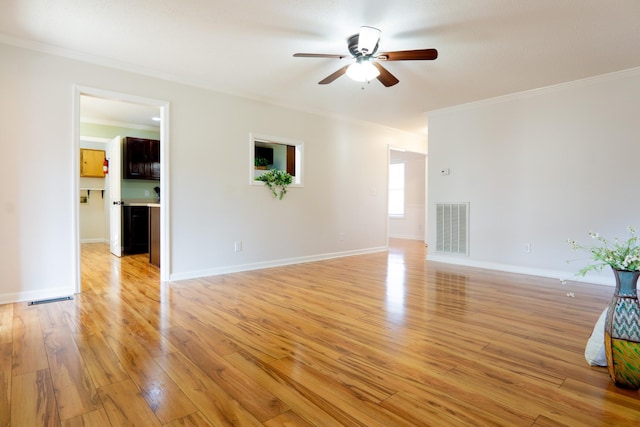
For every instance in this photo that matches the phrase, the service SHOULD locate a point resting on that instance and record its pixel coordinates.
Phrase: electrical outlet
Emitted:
(527, 247)
(237, 246)
(146, 193)
(341, 237)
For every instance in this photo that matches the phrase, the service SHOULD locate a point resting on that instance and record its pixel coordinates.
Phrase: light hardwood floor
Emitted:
(375, 340)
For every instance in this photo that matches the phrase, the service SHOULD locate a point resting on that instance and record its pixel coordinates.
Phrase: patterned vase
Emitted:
(622, 331)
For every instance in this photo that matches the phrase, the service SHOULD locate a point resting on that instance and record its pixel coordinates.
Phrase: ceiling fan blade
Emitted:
(385, 77)
(320, 55)
(333, 76)
(409, 55)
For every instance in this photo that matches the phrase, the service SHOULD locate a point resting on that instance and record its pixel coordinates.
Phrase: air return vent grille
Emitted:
(452, 234)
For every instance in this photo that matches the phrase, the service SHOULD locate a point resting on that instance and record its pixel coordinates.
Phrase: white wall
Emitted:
(212, 203)
(94, 226)
(93, 218)
(540, 167)
(412, 225)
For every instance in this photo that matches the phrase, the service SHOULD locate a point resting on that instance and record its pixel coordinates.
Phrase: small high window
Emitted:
(267, 152)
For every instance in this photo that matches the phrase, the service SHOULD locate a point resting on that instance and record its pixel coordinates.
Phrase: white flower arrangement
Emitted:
(619, 254)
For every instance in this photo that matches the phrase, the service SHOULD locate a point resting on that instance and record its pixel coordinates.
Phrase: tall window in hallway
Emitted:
(396, 189)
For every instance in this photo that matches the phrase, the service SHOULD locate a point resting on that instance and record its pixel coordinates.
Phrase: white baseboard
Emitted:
(96, 240)
(40, 294)
(406, 236)
(529, 271)
(268, 264)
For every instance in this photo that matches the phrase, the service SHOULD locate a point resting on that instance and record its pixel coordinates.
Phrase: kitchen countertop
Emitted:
(152, 203)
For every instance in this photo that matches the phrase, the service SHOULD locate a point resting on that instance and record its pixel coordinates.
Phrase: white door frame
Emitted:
(165, 244)
(115, 195)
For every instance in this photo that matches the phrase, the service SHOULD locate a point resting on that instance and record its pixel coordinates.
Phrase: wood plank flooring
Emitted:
(384, 339)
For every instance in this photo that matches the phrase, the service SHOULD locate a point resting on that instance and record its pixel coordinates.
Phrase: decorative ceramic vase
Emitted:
(622, 331)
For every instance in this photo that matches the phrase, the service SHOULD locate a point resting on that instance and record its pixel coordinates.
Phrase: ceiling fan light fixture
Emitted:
(362, 71)
(368, 40)
(362, 49)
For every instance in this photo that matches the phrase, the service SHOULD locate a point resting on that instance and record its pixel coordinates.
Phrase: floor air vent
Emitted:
(46, 301)
(452, 234)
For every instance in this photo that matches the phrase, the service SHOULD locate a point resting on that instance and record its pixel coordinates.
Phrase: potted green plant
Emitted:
(260, 163)
(276, 180)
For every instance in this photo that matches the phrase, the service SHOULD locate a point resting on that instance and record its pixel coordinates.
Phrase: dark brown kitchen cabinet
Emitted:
(154, 159)
(135, 229)
(141, 158)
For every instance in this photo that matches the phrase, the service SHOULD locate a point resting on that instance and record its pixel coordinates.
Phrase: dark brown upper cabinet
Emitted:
(141, 159)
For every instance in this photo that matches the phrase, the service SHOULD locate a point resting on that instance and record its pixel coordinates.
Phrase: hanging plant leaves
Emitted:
(277, 181)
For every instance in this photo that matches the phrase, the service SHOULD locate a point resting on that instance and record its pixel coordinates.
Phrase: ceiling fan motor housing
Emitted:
(352, 43)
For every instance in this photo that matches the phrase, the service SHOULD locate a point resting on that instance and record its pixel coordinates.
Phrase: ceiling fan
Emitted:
(363, 47)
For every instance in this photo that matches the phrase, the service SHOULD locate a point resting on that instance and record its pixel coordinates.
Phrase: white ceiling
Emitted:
(487, 48)
(117, 113)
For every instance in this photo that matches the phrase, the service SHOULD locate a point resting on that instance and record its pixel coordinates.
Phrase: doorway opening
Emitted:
(102, 120)
(407, 195)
